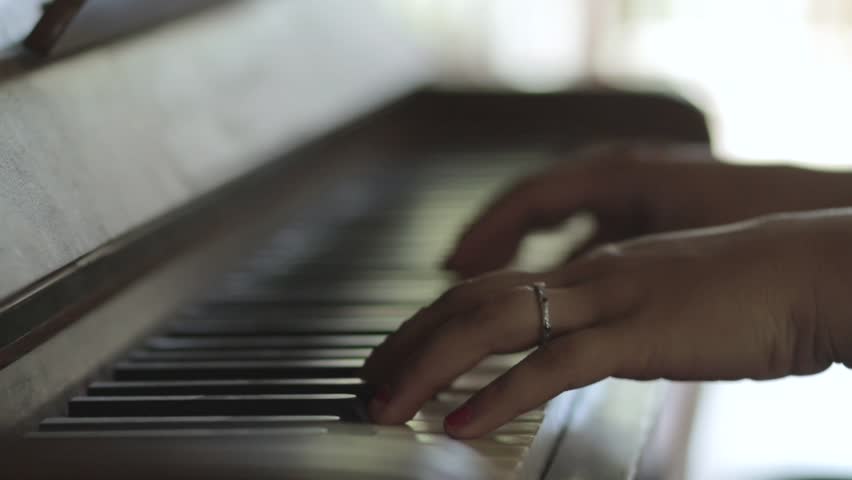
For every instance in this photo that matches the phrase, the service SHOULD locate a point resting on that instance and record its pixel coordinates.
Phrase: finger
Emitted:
(456, 347)
(459, 299)
(509, 324)
(543, 201)
(492, 240)
(566, 363)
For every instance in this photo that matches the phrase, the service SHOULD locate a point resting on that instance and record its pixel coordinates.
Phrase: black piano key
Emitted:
(294, 287)
(247, 324)
(60, 424)
(298, 313)
(345, 289)
(347, 407)
(338, 368)
(354, 386)
(246, 354)
(263, 342)
(326, 295)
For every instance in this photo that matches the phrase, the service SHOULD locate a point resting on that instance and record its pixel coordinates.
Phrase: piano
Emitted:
(209, 221)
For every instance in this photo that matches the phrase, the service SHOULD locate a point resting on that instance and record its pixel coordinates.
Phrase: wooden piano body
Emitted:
(152, 180)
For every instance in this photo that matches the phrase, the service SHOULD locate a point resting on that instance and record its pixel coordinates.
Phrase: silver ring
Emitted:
(538, 289)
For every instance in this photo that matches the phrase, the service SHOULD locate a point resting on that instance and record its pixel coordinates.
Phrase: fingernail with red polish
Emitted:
(459, 418)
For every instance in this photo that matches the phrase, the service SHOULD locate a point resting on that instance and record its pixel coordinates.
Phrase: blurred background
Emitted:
(774, 76)
(775, 80)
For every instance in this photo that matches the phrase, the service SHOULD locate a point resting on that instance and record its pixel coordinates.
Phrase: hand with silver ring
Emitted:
(758, 299)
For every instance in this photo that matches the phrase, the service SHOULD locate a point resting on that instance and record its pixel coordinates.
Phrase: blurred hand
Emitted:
(758, 299)
(638, 190)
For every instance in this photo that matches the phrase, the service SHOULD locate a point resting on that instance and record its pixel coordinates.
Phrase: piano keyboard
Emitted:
(276, 351)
